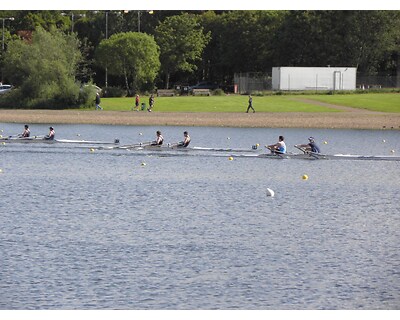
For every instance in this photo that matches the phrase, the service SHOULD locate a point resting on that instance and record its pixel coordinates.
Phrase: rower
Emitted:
(26, 132)
(159, 140)
(51, 134)
(309, 147)
(185, 141)
(279, 147)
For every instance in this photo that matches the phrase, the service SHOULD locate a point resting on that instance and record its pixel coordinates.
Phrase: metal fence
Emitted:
(250, 82)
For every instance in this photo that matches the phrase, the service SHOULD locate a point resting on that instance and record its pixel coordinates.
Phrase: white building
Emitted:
(314, 78)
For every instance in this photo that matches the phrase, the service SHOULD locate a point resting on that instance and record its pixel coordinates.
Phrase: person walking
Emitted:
(137, 103)
(151, 103)
(250, 104)
(98, 107)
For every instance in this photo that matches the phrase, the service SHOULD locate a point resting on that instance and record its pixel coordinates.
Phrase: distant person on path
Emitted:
(151, 103)
(309, 147)
(137, 103)
(159, 139)
(98, 107)
(279, 147)
(26, 132)
(250, 104)
(51, 134)
(185, 141)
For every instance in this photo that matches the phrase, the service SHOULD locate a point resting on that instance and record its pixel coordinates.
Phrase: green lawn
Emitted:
(231, 103)
(386, 102)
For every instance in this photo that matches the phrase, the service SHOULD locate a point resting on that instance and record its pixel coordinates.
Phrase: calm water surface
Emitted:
(99, 230)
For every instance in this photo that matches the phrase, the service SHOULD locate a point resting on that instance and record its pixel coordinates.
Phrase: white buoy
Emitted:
(270, 192)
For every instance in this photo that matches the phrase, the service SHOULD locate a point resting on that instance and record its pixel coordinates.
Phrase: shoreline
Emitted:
(322, 120)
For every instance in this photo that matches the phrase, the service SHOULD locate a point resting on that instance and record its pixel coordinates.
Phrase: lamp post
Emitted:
(73, 18)
(4, 19)
(106, 38)
(2, 44)
(138, 17)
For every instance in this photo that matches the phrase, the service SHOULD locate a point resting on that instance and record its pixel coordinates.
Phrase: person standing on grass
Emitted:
(98, 107)
(151, 103)
(137, 103)
(250, 104)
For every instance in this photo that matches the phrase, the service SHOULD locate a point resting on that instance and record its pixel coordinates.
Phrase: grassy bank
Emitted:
(285, 103)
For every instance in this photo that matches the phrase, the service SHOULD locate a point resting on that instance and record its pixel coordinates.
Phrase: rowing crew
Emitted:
(280, 146)
(160, 139)
(27, 133)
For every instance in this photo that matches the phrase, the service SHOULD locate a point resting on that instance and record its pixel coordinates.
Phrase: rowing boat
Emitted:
(172, 147)
(320, 156)
(38, 139)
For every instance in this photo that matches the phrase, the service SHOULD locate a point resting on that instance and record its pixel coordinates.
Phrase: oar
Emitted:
(310, 153)
(301, 149)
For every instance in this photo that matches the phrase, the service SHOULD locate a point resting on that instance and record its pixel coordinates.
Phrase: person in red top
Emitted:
(137, 103)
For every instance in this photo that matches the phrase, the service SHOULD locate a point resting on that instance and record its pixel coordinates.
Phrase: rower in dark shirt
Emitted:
(185, 141)
(309, 147)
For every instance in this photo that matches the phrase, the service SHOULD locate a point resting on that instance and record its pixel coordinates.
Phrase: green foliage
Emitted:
(182, 41)
(115, 92)
(43, 71)
(133, 55)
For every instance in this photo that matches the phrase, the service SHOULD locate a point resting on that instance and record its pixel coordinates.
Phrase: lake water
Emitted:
(101, 230)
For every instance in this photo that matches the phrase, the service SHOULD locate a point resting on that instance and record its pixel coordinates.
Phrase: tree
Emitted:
(133, 55)
(44, 71)
(182, 41)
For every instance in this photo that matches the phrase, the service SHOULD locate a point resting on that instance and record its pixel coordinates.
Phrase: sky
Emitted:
(201, 4)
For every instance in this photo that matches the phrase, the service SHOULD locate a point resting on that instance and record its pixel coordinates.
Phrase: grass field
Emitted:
(383, 102)
(236, 103)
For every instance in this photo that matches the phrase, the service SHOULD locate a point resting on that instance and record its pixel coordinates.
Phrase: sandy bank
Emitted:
(339, 120)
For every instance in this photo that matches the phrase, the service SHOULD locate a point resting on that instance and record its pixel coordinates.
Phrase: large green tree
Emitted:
(182, 41)
(133, 55)
(43, 70)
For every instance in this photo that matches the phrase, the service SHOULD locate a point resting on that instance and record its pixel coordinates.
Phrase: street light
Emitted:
(72, 18)
(138, 17)
(2, 44)
(4, 19)
(106, 38)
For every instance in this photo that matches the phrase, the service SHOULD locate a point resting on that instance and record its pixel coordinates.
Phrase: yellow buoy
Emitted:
(1, 170)
(91, 150)
(304, 177)
(257, 144)
(143, 164)
(3, 143)
(230, 158)
(325, 142)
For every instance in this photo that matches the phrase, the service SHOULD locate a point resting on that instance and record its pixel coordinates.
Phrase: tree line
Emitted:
(142, 50)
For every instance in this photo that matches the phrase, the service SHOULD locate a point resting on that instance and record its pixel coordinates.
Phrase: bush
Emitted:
(218, 92)
(111, 92)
